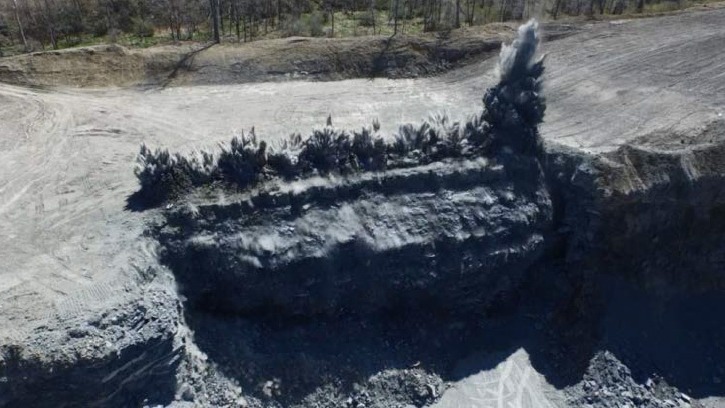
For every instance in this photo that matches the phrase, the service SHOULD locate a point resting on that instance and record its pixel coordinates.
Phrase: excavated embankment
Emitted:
(583, 242)
(457, 242)
(639, 236)
(366, 289)
(651, 210)
(434, 236)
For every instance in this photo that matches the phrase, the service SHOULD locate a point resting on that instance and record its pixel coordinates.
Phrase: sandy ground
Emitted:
(68, 247)
(512, 383)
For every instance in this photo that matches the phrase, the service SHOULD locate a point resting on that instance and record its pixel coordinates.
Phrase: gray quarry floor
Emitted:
(70, 250)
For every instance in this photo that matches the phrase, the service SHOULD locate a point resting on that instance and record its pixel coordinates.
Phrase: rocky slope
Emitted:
(426, 237)
(126, 356)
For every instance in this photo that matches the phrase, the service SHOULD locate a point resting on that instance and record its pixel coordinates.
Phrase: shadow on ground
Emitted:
(136, 203)
(561, 326)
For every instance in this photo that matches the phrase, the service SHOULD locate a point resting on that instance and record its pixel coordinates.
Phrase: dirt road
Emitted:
(66, 156)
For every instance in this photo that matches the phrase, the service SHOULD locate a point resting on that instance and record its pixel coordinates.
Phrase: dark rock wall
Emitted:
(652, 216)
(438, 236)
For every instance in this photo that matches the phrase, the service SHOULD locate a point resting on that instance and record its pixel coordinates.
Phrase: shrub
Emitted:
(315, 25)
(5, 41)
(326, 150)
(114, 35)
(376, 126)
(99, 28)
(291, 26)
(4, 28)
(199, 167)
(243, 161)
(284, 164)
(477, 133)
(143, 28)
(406, 140)
(366, 19)
(416, 141)
(283, 160)
(446, 137)
(513, 109)
(454, 144)
(369, 151)
(162, 175)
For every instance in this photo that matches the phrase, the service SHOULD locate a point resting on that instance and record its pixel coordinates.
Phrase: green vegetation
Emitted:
(245, 161)
(164, 175)
(32, 26)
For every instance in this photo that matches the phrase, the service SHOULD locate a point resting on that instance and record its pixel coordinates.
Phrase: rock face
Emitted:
(438, 236)
(639, 231)
(651, 210)
(393, 252)
(671, 207)
(633, 232)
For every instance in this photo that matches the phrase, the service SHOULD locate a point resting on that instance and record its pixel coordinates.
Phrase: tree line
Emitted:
(39, 24)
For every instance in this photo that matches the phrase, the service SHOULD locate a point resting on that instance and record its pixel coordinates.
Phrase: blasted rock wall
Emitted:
(668, 210)
(649, 211)
(442, 236)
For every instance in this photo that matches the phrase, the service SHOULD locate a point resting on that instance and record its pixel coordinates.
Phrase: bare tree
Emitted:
(215, 20)
(20, 24)
(458, 13)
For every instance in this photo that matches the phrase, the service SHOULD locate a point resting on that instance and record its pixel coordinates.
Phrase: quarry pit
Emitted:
(603, 252)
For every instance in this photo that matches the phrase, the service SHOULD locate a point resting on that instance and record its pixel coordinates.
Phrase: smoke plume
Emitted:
(515, 107)
(517, 59)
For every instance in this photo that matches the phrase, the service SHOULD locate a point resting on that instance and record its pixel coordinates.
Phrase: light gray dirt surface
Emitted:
(69, 250)
(513, 383)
